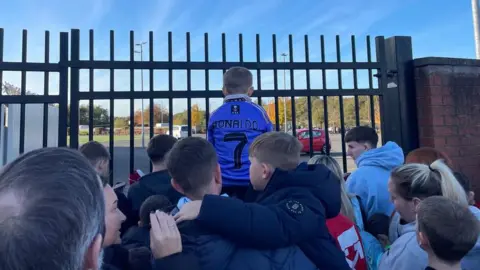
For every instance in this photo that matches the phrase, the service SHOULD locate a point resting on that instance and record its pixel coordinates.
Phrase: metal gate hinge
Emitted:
(390, 74)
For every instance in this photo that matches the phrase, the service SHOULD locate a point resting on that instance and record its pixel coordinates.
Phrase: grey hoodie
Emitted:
(406, 254)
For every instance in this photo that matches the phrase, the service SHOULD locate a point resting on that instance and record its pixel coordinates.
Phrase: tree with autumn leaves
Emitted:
(317, 110)
(301, 112)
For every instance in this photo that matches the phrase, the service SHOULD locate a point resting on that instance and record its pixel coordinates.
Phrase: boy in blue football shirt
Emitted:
(234, 126)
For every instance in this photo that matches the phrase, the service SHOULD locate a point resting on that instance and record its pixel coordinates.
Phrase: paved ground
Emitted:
(122, 154)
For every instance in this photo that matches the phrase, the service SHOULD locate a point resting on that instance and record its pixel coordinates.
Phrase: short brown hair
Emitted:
(94, 152)
(191, 163)
(159, 146)
(237, 80)
(451, 228)
(362, 134)
(279, 149)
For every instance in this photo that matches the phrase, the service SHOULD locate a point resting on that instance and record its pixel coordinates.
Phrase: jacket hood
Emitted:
(388, 156)
(155, 182)
(317, 178)
(136, 236)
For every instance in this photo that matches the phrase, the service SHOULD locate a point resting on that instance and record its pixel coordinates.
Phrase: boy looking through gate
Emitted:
(233, 127)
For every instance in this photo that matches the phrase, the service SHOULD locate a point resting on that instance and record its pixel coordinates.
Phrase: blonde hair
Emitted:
(278, 149)
(332, 164)
(423, 181)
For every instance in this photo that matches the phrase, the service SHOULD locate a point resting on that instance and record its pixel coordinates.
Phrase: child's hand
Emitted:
(189, 211)
(384, 241)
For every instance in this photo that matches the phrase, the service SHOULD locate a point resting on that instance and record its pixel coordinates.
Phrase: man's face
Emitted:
(113, 217)
(355, 149)
(260, 174)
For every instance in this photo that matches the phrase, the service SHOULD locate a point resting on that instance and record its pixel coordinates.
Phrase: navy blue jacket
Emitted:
(155, 183)
(292, 210)
(136, 237)
(215, 252)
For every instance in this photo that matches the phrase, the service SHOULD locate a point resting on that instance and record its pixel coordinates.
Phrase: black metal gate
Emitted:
(392, 68)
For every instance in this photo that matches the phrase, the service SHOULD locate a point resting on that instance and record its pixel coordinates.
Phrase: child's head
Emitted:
(237, 80)
(411, 183)
(270, 151)
(467, 186)
(193, 166)
(98, 156)
(359, 140)
(152, 204)
(158, 148)
(334, 167)
(427, 155)
(446, 229)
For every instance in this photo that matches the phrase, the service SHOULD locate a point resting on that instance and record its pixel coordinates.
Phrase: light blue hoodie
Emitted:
(370, 180)
(406, 254)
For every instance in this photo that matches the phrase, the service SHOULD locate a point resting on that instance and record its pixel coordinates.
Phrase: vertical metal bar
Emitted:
(389, 131)
(275, 82)
(23, 84)
(46, 84)
(370, 83)
(170, 84)
(207, 83)
(90, 86)
(309, 100)
(112, 109)
(340, 101)
(63, 92)
(292, 86)
(240, 48)
(189, 88)
(259, 73)
(2, 34)
(224, 50)
(355, 82)
(132, 101)
(74, 87)
(151, 83)
(325, 101)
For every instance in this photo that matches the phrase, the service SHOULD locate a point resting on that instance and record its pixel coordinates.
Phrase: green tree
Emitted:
(121, 122)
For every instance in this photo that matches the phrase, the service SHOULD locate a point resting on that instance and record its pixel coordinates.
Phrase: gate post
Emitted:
(74, 87)
(63, 81)
(399, 102)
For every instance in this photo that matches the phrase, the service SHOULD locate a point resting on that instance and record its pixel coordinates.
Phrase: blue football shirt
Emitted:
(231, 130)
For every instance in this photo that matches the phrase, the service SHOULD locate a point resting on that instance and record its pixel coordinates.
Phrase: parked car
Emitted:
(180, 132)
(319, 140)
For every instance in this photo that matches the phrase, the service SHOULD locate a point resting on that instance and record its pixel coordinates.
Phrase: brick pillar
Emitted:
(448, 109)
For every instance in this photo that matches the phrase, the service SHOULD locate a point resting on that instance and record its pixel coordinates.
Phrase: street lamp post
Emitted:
(284, 88)
(476, 27)
(141, 79)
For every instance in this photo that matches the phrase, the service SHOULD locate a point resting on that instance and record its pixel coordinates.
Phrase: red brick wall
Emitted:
(448, 108)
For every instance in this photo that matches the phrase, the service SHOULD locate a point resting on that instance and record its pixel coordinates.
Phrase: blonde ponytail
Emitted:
(451, 188)
(334, 167)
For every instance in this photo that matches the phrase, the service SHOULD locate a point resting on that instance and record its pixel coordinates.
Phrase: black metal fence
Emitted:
(391, 65)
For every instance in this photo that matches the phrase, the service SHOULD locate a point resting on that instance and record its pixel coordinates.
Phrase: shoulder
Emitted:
(258, 109)
(134, 189)
(297, 200)
(217, 111)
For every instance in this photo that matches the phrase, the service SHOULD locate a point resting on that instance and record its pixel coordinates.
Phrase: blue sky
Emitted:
(438, 28)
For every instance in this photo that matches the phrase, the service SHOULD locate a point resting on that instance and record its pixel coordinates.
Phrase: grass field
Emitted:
(106, 138)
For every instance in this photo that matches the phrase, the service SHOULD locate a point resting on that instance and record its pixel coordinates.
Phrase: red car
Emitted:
(319, 140)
